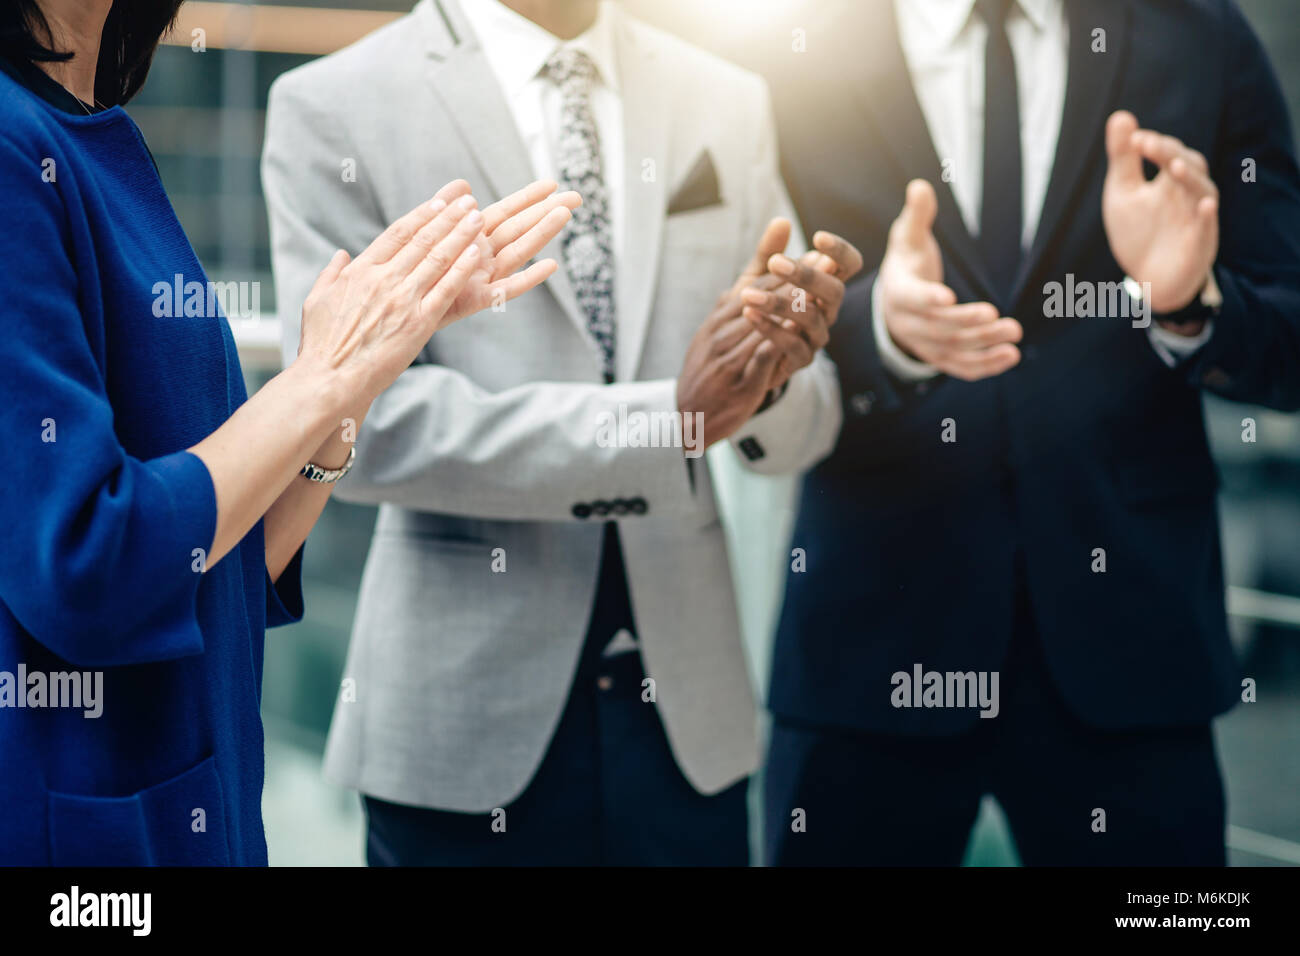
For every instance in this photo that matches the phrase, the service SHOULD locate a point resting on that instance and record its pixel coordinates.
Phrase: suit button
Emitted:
(862, 403)
(619, 506)
(582, 510)
(604, 682)
(751, 448)
(600, 508)
(638, 506)
(1216, 378)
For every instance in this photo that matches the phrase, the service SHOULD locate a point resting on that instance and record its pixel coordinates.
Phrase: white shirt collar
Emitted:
(945, 19)
(1038, 11)
(517, 49)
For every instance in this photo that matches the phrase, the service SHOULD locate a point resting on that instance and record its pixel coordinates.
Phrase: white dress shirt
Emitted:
(943, 43)
(517, 49)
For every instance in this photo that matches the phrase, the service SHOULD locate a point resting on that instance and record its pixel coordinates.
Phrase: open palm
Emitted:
(1163, 231)
(514, 230)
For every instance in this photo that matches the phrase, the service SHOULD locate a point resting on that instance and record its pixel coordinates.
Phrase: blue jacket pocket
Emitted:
(179, 822)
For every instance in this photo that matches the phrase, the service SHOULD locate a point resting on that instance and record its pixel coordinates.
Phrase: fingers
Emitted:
(842, 255)
(395, 238)
(781, 373)
(1127, 145)
(915, 223)
(438, 300)
(912, 294)
(1188, 173)
(728, 337)
(1121, 150)
(758, 370)
(519, 224)
(964, 316)
(500, 211)
(513, 286)
(1003, 331)
(774, 239)
(431, 254)
(816, 276)
(796, 349)
(961, 328)
(819, 261)
(734, 345)
(1163, 150)
(815, 282)
(783, 308)
(973, 366)
(967, 340)
(975, 347)
(726, 309)
(422, 242)
(532, 240)
(453, 191)
(329, 273)
(1187, 166)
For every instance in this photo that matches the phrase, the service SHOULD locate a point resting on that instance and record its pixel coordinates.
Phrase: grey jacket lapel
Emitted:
(646, 113)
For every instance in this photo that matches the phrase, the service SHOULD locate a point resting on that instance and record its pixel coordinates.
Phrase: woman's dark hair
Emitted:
(131, 34)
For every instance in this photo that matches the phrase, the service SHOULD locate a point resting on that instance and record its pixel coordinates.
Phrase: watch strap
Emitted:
(327, 476)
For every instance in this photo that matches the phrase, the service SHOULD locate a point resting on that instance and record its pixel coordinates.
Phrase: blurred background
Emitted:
(202, 113)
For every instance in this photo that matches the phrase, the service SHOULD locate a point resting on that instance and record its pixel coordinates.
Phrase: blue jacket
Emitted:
(106, 519)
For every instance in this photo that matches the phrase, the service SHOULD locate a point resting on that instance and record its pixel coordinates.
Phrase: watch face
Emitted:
(1133, 288)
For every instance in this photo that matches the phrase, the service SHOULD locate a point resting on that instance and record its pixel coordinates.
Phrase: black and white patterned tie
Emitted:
(588, 250)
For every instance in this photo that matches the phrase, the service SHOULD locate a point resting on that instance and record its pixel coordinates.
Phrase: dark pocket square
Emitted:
(699, 189)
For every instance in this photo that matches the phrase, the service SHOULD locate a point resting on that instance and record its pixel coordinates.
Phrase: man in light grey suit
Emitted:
(546, 664)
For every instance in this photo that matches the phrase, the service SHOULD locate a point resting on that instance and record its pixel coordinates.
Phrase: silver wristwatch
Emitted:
(327, 476)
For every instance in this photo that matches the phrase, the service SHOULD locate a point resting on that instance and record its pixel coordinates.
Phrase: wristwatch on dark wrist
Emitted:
(1204, 308)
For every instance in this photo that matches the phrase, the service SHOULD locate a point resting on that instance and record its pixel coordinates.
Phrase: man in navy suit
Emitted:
(1010, 577)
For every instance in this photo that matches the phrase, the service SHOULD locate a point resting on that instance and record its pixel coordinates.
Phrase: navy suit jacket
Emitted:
(916, 547)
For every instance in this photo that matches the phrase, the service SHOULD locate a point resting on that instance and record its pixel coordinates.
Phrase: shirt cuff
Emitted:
(772, 397)
(896, 362)
(1173, 348)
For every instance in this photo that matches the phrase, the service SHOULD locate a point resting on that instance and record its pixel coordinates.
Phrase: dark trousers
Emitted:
(608, 791)
(879, 799)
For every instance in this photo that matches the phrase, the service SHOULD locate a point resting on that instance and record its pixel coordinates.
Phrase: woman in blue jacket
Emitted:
(154, 514)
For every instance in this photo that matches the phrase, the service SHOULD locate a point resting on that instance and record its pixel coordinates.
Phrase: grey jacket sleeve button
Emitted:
(751, 449)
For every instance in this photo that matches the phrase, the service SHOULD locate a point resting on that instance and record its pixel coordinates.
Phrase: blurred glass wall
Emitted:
(202, 113)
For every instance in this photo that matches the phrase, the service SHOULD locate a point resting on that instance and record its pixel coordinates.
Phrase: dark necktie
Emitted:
(1001, 216)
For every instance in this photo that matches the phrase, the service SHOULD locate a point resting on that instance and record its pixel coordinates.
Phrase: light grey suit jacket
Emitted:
(480, 577)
